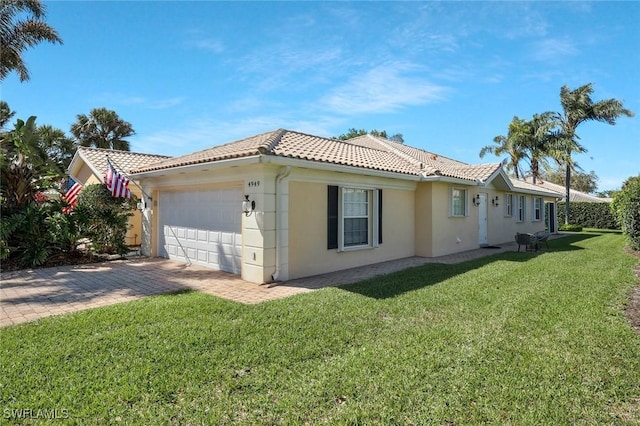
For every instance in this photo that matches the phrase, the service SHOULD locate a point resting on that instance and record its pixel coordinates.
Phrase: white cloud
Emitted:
(553, 48)
(212, 45)
(141, 101)
(385, 88)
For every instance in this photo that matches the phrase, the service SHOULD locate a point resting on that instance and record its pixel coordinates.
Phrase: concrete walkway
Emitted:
(27, 295)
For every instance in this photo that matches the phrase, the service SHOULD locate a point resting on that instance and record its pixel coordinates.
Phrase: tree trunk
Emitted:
(567, 200)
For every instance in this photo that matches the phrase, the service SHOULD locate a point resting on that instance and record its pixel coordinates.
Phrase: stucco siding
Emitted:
(308, 253)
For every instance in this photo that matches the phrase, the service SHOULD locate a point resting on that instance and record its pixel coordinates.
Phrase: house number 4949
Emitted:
(254, 183)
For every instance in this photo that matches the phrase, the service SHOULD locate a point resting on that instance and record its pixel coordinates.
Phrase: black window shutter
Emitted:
(332, 217)
(380, 216)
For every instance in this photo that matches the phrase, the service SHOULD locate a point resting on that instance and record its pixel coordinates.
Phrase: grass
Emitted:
(514, 338)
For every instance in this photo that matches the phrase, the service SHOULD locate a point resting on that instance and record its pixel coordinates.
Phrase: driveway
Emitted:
(31, 294)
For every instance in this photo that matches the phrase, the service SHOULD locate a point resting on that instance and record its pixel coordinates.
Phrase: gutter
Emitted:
(284, 173)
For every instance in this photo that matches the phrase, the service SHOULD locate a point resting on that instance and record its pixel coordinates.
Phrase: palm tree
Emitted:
(511, 145)
(5, 114)
(539, 140)
(103, 128)
(578, 107)
(17, 35)
(58, 147)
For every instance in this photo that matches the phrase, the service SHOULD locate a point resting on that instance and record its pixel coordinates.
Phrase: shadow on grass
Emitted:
(398, 283)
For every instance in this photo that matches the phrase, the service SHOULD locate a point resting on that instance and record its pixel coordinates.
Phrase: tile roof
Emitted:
(123, 160)
(574, 196)
(366, 151)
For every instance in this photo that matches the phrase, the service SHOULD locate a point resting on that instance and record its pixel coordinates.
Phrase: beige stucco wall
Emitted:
(307, 248)
(438, 233)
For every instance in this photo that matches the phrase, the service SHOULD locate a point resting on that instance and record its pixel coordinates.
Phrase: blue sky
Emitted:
(449, 76)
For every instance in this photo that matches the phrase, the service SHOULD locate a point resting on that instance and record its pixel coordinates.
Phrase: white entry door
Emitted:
(482, 220)
(202, 227)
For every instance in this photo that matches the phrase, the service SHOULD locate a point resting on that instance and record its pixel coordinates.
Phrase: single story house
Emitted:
(89, 166)
(283, 205)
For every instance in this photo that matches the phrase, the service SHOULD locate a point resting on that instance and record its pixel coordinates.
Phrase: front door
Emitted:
(482, 221)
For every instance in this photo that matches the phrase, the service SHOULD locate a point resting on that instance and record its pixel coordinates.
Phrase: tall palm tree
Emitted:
(578, 107)
(539, 139)
(16, 34)
(58, 147)
(103, 128)
(511, 145)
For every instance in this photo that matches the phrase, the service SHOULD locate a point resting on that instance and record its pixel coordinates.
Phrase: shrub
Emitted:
(26, 233)
(626, 206)
(103, 219)
(570, 227)
(590, 215)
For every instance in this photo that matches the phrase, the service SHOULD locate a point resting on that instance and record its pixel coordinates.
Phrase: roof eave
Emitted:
(207, 165)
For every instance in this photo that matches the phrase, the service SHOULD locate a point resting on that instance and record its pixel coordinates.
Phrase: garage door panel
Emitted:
(202, 227)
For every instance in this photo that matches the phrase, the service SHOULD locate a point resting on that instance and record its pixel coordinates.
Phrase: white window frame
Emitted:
(537, 209)
(522, 208)
(508, 205)
(372, 219)
(465, 201)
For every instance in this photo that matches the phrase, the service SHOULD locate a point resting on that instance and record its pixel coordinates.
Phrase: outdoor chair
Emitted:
(529, 241)
(543, 237)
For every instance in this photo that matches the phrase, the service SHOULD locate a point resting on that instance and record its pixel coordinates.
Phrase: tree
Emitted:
(17, 33)
(32, 159)
(354, 133)
(103, 128)
(511, 145)
(578, 107)
(5, 114)
(58, 147)
(584, 182)
(626, 207)
(538, 139)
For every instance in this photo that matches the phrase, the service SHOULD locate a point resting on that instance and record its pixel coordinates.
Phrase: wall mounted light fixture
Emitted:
(495, 201)
(248, 206)
(476, 200)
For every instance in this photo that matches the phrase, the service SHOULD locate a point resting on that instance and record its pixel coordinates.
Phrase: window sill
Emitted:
(355, 248)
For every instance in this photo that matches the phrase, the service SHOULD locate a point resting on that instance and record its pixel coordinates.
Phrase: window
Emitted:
(521, 208)
(537, 208)
(458, 202)
(354, 218)
(508, 205)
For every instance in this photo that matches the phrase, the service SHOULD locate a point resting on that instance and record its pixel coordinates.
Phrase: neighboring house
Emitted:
(324, 205)
(574, 195)
(89, 166)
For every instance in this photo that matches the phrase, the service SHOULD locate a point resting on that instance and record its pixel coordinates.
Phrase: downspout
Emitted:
(284, 173)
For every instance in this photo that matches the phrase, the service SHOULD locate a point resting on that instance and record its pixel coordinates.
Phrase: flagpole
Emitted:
(128, 177)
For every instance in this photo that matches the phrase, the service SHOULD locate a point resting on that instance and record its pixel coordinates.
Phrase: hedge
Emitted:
(590, 215)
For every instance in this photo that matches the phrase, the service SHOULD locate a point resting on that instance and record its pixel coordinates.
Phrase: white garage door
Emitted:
(202, 227)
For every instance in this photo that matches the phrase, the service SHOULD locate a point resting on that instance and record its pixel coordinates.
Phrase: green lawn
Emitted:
(515, 338)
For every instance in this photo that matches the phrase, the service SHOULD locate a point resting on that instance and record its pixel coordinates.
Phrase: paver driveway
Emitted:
(31, 294)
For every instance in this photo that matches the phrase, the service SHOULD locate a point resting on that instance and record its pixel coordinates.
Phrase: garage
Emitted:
(202, 227)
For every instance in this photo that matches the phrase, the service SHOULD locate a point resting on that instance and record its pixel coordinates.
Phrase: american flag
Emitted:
(71, 197)
(116, 183)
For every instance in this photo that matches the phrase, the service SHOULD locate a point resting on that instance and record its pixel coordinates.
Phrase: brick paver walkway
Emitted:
(31, 294)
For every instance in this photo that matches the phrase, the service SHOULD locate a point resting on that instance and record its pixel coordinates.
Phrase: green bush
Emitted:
(103, 219)
(626, 207)
(570, 227)
(29, 233)
(590, 215)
